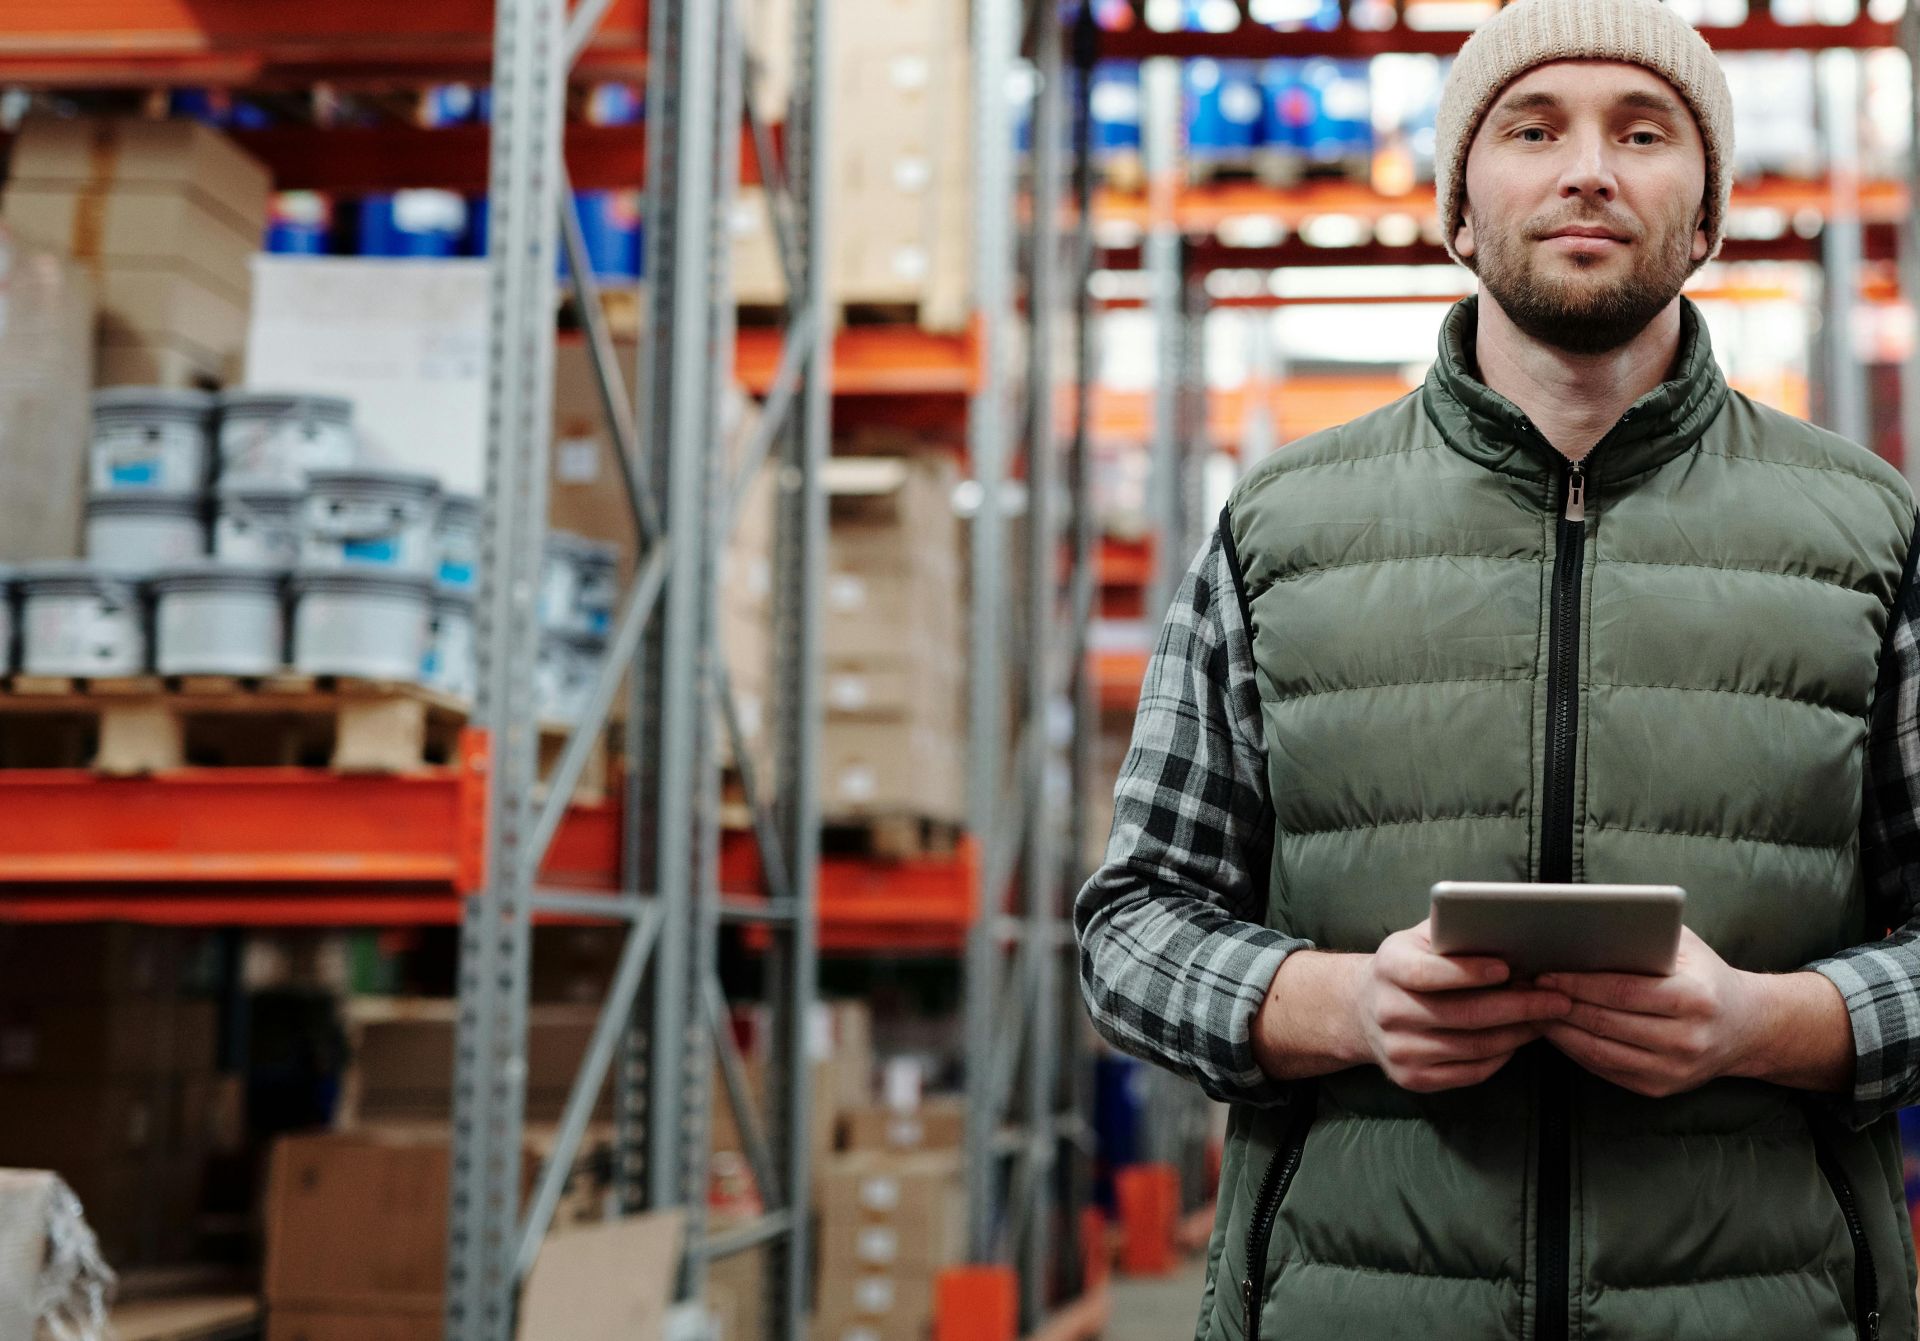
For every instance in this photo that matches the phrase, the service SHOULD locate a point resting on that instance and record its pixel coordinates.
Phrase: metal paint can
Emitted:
(369, 517)
(77, 619)
(452, 662)
(138, 532)
(215, 618)
(258, 523)
(457, 537)
(564, 672)
(366, 622)
(280, 437)
(151, 438)
(579, 582)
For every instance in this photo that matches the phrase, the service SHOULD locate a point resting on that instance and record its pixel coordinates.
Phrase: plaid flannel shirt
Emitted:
(1176, 958)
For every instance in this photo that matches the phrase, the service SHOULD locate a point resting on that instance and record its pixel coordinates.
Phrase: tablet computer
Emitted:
(1560, 928)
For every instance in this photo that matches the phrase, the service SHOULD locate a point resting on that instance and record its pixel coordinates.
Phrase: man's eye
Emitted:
(1645, 138)
(1534, 135)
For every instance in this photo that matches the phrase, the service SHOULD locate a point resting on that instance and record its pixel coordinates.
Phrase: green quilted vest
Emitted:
(1457, 682)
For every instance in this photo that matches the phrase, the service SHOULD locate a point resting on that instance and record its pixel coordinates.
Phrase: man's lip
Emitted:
(1599, 233)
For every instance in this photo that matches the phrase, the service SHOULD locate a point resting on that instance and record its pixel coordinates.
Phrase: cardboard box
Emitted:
(405, 339)
(57, 1124)
(170, 307)
(356, 1221)
(918, 1196)
(46, 372)
(939, 1123)
(106, 1037)
(892, 768)
(155, 229)
(873, 1306)
(402, 1059)
(167, 363)
(321, 1324)
(85, 962)
(103, 155)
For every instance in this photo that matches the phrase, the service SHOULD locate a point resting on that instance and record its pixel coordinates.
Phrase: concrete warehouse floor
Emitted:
(1162, 1308)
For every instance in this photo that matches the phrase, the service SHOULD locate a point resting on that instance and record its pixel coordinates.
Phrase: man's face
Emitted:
(1583, 214)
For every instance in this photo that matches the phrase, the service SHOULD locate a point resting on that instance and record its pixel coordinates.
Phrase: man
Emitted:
(1572, 612)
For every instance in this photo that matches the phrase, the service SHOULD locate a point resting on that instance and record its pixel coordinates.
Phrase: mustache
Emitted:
(1614, 224)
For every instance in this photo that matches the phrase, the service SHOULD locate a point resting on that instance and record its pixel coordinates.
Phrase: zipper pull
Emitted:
(1246, 1300)
(1873, 1326)
(1576, 491)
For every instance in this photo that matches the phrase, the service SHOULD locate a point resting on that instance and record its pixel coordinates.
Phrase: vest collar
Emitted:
(1485, 427)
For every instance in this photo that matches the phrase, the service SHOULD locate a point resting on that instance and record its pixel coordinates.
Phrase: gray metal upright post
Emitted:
(995, 42)
(1041, 874)
(1166, 475)
(799, 568)
(1840, 247)
(681, 1069)
(1909, 251)
(490, 1062)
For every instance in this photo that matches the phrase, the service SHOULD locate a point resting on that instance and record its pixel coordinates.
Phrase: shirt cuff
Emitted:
(1232, 984)
(1883, 1006)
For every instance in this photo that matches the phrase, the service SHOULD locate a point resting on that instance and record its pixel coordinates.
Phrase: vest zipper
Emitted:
(1266, 1207)
(1556, 867)
(1866, 1283)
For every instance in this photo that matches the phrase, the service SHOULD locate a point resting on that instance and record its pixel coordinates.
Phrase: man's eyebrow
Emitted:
(1521, 103)
(1646, 101)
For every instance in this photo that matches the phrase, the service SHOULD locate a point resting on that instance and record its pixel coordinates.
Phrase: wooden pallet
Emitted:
(148, 724)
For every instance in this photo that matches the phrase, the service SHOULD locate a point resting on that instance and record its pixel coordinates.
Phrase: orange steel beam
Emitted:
(874, 361)
(241, 42)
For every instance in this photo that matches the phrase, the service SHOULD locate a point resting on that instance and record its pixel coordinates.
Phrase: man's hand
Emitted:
(1431, 1022)
(1662, 1036)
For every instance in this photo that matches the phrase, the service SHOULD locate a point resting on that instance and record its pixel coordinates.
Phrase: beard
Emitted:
(1575, 314)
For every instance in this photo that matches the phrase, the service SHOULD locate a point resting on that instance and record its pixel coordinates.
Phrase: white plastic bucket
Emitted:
(76, 619)
(578, 584)
(138, 532)
(214, 618)
(366, 622)
(563, 674)
(452, 661)
(370, 518)
(280, 437)
(158, 438)
(258, 523)
(457, 536)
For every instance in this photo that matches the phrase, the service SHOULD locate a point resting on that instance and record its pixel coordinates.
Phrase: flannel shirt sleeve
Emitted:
(1174, 957)
(1880, 980)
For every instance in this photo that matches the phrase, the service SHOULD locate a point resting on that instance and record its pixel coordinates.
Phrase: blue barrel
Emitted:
(1223, 108)
(610, 226)
(1343, 123)
(1119, 1108)
(300, 223)
(412, 223)
(1115, 104)
(1288, 106)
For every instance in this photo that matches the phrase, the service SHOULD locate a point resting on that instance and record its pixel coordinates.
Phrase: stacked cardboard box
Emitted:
(402, 1049)
(357, 1229)
(46, 372)
(107, 1079)
(895, 639)
(889, 1224)
(900, 166)
(167, 214)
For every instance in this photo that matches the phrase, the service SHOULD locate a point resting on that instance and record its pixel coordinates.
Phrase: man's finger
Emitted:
(1419, 971)
(1617, 991)
(1491, 1009)
(1655, 1033)
(1597, 1053)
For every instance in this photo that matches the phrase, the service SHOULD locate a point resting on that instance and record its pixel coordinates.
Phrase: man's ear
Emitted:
(1463, 236)
(1700, 244)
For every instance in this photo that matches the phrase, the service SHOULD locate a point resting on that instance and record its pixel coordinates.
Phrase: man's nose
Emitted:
(1589, 169)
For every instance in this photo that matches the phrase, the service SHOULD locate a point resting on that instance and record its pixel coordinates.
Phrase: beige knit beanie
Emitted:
(1529, 33)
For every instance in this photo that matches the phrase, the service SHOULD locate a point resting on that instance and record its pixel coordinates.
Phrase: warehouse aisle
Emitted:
(1157, 1309)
